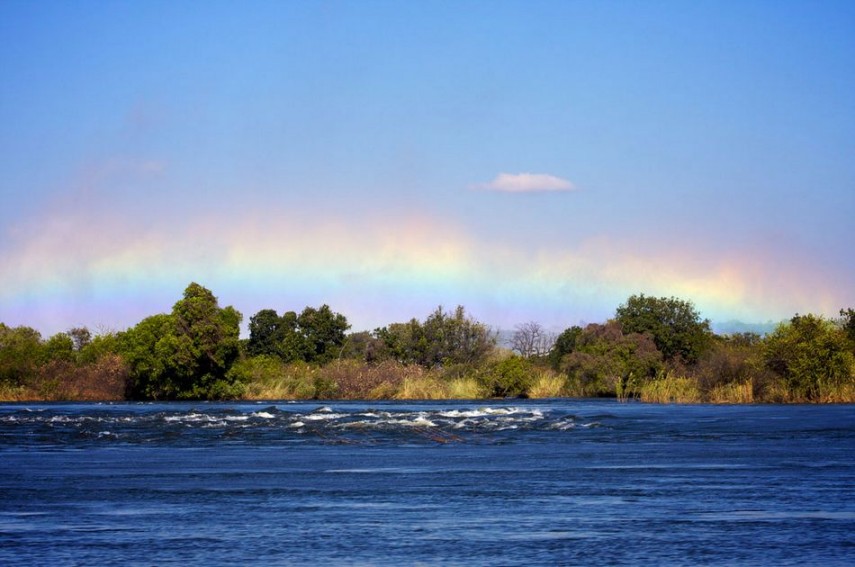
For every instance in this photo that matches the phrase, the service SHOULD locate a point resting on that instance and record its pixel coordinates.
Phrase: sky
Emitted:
(530, 160)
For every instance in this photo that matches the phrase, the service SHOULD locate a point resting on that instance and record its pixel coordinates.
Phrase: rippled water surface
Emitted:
(446, 483)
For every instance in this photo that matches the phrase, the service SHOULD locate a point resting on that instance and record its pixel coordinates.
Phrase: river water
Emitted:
(555, 482)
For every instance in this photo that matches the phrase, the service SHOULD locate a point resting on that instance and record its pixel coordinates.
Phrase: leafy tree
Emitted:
(20, 350)
(59, 347)
(732, 359)
(323, 332)
(265, 333)
(812, 355)
(443, 339)
(675, 325)
(315, 335)
(608, 361)
(99, 346)
(564, 344)
(186, 354)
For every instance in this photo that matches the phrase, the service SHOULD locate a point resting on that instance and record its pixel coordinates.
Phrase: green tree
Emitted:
(58, 347)
(565, 343)
(675, 325)
(20, 351)
(186, 354)
(443, 339)
(323, 332)
(266, 333)
(315, 335)
(812, 355)
(606, 361)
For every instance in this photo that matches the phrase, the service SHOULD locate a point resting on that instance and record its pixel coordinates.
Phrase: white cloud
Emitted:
(527, 183)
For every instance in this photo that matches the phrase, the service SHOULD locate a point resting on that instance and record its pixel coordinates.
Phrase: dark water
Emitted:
(454, 483)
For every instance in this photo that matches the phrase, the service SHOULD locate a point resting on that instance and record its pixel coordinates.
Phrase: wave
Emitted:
(284, 423)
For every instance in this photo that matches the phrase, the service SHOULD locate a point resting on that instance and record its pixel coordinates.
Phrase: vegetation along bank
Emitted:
(653, 349)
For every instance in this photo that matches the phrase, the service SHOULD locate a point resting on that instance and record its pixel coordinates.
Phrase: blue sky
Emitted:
(353, 153)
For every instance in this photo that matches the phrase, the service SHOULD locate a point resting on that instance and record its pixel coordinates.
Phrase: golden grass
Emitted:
(466, 388)
(732, 393)
(838, 393)
(670, 389)
(547, 384)
(17, 394)
(285, 382)
(424, 387)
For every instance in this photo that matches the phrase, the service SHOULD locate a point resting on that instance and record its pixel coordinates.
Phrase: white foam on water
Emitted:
(419, 421)
(262, 414)
(324, 416)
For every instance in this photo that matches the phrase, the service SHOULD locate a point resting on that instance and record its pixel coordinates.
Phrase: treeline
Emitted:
(653, 349)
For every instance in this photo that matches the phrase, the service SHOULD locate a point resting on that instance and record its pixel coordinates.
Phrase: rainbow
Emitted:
(109, 271)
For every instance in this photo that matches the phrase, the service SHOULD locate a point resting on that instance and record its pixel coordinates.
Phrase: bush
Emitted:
(813, 357)
(509, 377)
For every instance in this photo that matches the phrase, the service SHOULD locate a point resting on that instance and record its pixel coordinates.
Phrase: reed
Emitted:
(466, 388)
(279, 381)
(10, 393)
(428, 386)
(732, 393)
(547, 384)
(670, 389)
(837, 393)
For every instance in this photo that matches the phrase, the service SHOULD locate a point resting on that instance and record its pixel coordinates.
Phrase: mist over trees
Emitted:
(653, 349)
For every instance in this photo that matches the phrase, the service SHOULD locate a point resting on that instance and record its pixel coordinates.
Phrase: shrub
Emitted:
(813, 357)
(509, 377)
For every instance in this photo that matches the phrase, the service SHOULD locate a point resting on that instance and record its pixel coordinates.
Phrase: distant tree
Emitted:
(675, 325)
(565, 343)
(315, 335)
(444, 338)
(847, 320)
(812, 355)
(265, 333)
(364, 346)
(81, 337)
(323, 332)
(58, 347)
(532, 340)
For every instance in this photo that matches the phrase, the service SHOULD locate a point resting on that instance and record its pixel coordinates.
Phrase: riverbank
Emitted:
(353, 380)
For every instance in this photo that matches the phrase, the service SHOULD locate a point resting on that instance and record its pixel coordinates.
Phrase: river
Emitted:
(553, 482)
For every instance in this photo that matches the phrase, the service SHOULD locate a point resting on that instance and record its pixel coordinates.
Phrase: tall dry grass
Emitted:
(670, 389)
(732, 393)
(275, 380)
(547, 384)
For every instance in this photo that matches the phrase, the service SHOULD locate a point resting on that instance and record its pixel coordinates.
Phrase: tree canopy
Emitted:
(675, 325)
(185, 354)
(315, 335)
(811, 354)
(444, 338)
